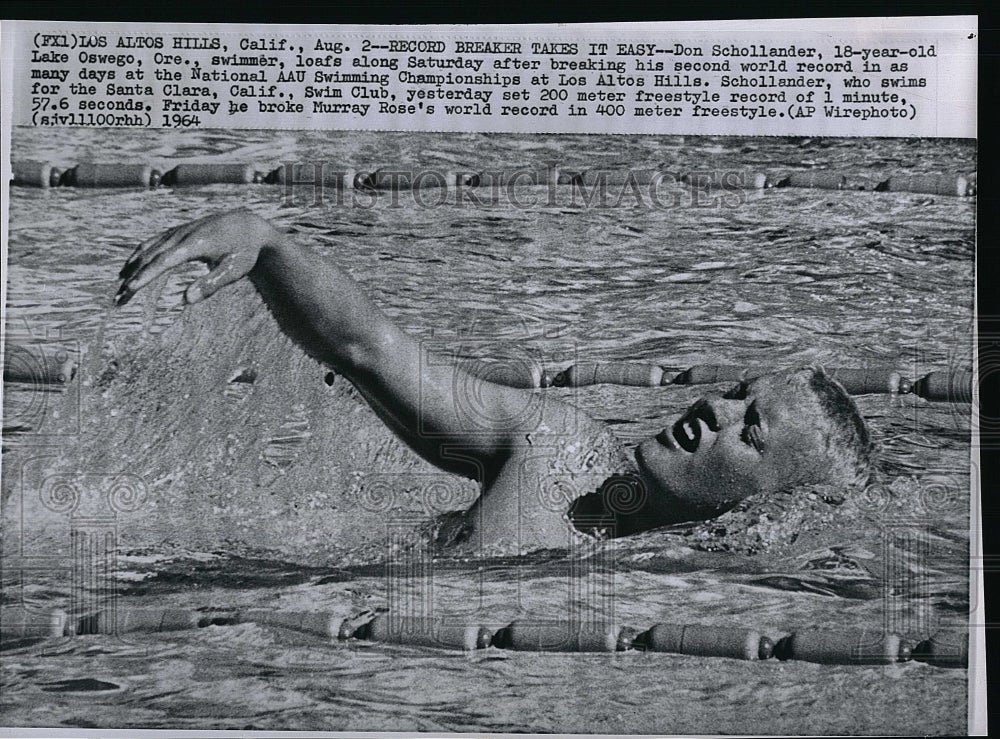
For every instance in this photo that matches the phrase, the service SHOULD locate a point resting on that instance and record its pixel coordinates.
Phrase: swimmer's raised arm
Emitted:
(327, 314)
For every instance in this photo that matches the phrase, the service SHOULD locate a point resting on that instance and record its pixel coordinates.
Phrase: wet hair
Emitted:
(849, 445)
(848, 438)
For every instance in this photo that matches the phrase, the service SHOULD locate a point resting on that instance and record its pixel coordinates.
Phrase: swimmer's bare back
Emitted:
(530, 464)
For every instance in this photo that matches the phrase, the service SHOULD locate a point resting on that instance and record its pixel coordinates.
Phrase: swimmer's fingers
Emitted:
(150, 247)
(198, 240)
(211, 239)
(149, 269)
(230, 269)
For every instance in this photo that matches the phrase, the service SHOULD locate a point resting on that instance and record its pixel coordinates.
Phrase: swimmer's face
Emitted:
(765, 436)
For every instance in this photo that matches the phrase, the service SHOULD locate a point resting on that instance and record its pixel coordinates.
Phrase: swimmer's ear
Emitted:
(232, 268)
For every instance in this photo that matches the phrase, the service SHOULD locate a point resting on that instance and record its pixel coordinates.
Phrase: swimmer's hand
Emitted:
(229, 243)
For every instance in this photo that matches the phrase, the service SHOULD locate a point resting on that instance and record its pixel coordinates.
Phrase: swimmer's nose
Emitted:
(719, 412)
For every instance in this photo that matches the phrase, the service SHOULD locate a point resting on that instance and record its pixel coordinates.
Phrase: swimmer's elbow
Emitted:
(376, 351)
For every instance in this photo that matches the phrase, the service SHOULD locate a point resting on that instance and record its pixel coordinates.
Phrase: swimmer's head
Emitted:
(772, 433)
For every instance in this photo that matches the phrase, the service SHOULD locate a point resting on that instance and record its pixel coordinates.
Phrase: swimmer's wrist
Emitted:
(276, 244)
(280, 256)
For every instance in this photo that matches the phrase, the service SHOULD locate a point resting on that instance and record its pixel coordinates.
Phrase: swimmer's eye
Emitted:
(752, 433)
(737, 393)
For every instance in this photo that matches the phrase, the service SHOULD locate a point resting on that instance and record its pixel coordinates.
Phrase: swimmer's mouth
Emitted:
(686, 431)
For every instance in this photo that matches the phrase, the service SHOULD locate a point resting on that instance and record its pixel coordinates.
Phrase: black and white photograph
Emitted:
(662, 422)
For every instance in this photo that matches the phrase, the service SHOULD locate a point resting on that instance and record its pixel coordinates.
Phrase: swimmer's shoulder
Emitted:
(576, 444)
(526, 505)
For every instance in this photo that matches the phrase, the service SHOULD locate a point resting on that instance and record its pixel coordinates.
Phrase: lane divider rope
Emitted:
(43, 174)
(848, 646)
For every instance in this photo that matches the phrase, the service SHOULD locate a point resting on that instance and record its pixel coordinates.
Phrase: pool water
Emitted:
(289, 494)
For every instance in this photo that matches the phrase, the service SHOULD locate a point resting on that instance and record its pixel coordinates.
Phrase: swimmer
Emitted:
(771, 434)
